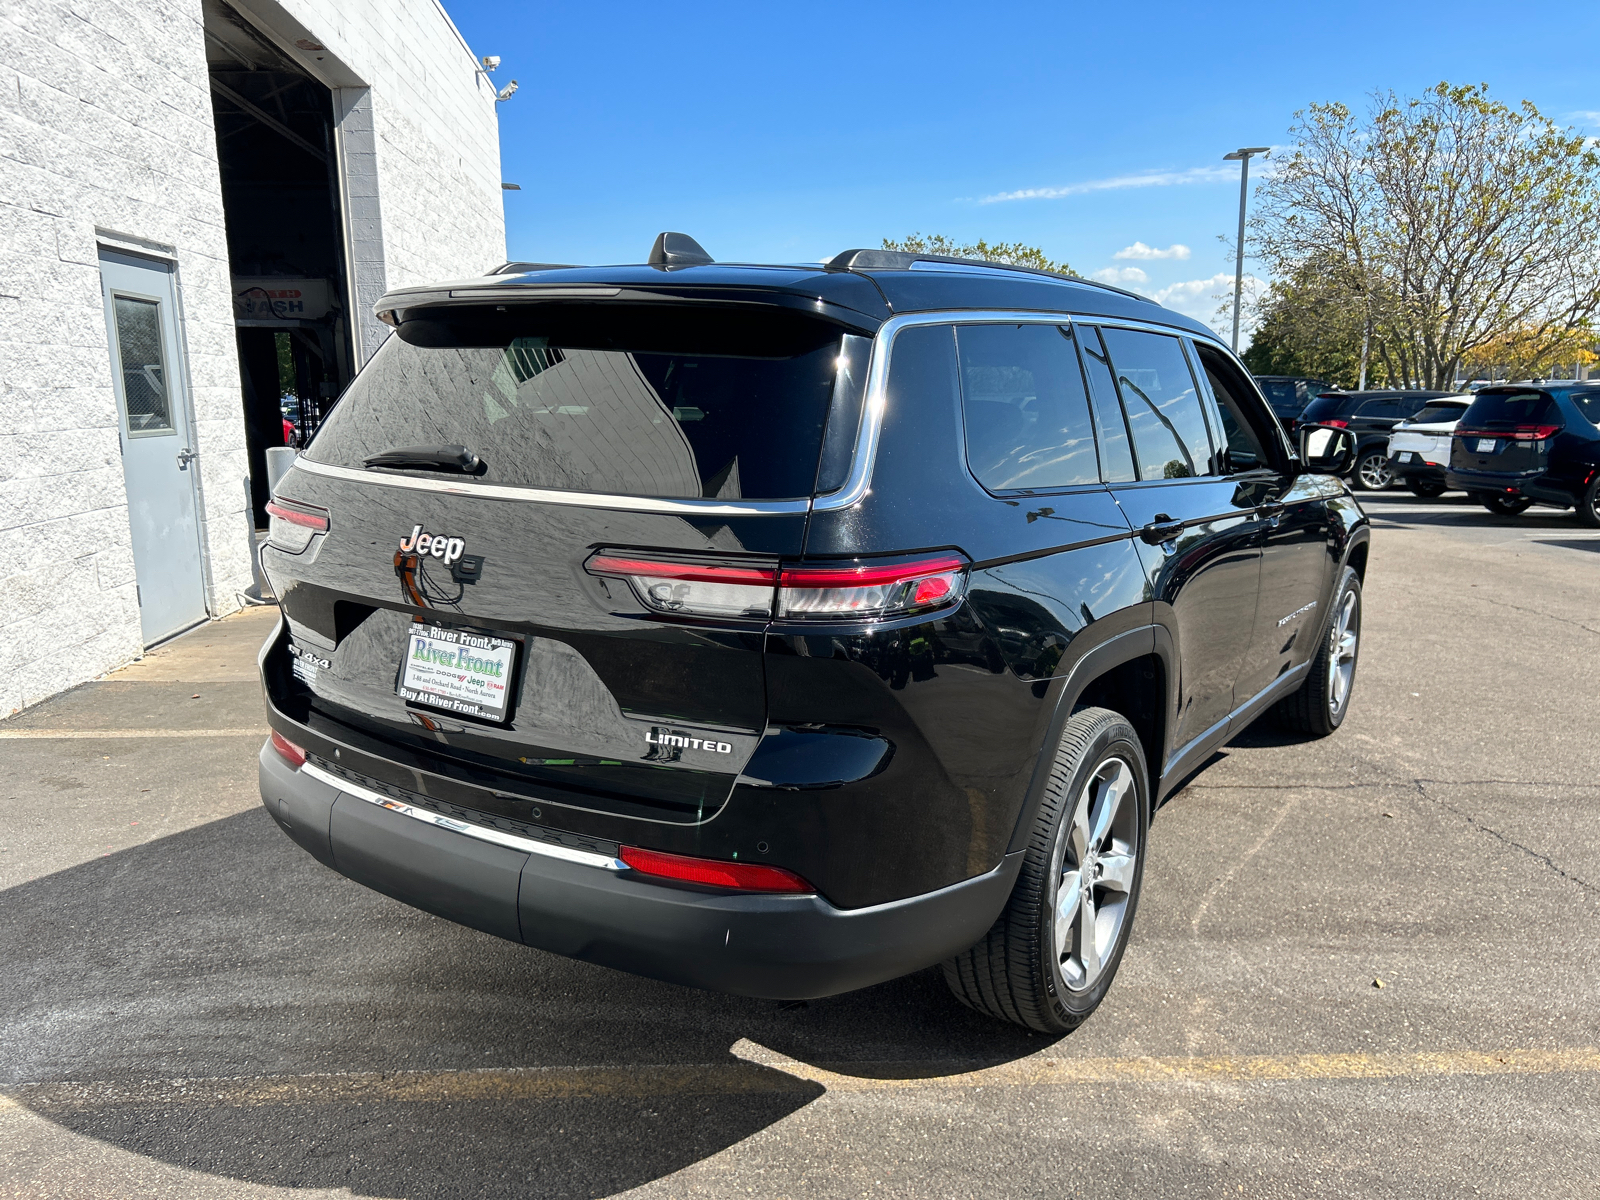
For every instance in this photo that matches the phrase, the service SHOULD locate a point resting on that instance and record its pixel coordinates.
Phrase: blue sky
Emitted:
(787, 133)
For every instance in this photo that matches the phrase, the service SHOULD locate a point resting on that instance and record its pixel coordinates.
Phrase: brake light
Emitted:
(292, 525)
(1518, 433)
(813, 593)
(856, 590)
(287, 750)
(1333, 421)
(715, 872)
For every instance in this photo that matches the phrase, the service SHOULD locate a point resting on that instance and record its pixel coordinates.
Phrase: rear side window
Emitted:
(1163, 407)
(1024, 407)
(1384, 408)
(1512, 408)
(636, 402)
(1588, 403)
(1116, 455)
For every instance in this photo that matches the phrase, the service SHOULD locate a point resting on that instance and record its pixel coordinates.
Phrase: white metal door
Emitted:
(158, 454)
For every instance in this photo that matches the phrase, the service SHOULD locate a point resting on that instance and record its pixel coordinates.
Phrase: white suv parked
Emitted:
(1419, 447)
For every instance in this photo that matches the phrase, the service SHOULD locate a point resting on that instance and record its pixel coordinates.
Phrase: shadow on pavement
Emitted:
(225, 953)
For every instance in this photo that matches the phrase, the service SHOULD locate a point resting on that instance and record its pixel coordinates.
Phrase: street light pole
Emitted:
(1243, 156)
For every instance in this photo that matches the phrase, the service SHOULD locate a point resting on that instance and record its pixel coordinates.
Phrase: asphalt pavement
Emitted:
(1364, 966)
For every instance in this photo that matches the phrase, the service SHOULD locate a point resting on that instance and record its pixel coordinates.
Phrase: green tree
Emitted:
(1311, 324)
(1013, 253)
(1446, 222)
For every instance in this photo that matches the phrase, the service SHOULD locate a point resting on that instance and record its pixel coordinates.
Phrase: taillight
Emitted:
(1518, 433)
(292, 525)
(692, 589)
(714, 872)
(1337, 424)
(804, 593)
(822, 593)
(290, 753)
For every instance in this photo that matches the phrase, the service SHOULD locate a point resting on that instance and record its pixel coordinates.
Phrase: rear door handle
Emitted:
(1162, 529)
(1273, 512)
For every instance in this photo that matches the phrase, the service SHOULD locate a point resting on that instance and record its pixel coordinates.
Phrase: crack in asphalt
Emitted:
(1422, 790)
(1541, 613)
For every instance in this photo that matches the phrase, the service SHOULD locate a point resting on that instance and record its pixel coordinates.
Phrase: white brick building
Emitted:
(212, 186)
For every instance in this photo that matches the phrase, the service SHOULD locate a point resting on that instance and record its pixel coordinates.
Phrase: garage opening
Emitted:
(286, 253)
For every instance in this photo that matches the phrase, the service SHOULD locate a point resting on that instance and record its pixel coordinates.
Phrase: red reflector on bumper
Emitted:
(714, 872)
(290, 753)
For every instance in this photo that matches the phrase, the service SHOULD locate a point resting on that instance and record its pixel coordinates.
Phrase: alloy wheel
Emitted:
(1099, 852)
(1375, 473)
(1342, 639)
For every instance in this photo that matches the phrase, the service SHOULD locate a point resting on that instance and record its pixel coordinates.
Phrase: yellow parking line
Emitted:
(97, 734)
(762, 1071)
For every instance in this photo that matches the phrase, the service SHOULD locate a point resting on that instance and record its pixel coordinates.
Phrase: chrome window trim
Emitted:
(585, 858)
(498, 491)
(857, 484)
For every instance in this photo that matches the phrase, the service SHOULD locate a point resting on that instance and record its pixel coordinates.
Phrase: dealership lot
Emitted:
(191, 1006)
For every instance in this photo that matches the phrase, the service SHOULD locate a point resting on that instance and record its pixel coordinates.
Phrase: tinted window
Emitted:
(1513, 408)
(1025, 409)
(1436, 413)
(1321, 409)
(1116, 458)
(1315, 388)
(1281, 395)
(1588, 404)
(1158, 394)
(1384, 408)
(637, 404)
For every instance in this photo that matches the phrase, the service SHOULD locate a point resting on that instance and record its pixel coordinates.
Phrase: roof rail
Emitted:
(523, 268)
(904, 260)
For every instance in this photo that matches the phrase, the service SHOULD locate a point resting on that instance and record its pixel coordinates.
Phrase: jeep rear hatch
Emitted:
(450, 617)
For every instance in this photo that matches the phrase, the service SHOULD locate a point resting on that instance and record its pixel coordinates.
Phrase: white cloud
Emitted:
(1203, 299)
(1587, 116)
(1144, 179)
(1140, 251)
(1121, 275)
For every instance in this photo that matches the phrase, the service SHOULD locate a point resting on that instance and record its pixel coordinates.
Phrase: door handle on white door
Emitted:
(185, 457)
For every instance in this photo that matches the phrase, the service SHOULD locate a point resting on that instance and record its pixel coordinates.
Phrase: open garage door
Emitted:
(286, 248)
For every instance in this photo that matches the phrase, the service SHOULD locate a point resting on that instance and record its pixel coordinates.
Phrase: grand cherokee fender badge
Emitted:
(671, 739)
(1304, 608)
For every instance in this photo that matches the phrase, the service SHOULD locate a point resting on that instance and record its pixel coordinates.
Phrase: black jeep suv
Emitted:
(1531, 444)
(786, 629)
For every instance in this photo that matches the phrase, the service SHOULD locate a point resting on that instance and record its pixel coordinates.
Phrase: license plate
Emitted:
(1406, 456)
(458, 670)
(1486, 445)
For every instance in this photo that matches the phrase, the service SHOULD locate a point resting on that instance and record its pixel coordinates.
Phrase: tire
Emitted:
(1019, 971)
(1589, 507)
(1503, 506)
(1373, 473)
(1428, 489)
(1319, 705)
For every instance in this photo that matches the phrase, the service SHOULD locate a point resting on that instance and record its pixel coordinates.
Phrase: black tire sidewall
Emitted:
(1071, 1008)
(1588, 508)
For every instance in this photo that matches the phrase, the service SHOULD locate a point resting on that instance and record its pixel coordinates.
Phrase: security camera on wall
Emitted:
(491, 61)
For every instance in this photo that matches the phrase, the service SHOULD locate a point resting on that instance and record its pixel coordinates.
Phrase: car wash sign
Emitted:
(280, 298)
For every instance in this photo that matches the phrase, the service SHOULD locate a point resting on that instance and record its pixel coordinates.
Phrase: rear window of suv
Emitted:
(638, 401)
(1512, 408)
(1438, 414)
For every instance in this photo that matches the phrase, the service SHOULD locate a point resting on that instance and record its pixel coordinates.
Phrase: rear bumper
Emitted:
(780, 947)
(1416, 470)
(1532, 484)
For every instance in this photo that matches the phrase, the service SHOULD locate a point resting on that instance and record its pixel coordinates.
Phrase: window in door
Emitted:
(1025, 409)
(1111, 427)
(1163, 406)
(144, 375)
(1384, 409)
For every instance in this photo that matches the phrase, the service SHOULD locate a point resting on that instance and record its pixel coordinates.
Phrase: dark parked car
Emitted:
(1289, 394)
(1369, 416)
(783, 630)
(1518, 445)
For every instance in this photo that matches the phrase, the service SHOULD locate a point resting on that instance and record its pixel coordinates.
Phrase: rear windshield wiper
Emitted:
(429, 458)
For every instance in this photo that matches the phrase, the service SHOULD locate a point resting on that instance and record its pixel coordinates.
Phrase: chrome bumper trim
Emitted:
(527, 845)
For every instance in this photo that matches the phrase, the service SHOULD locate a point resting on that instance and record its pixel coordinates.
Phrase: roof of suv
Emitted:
(862, 288)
